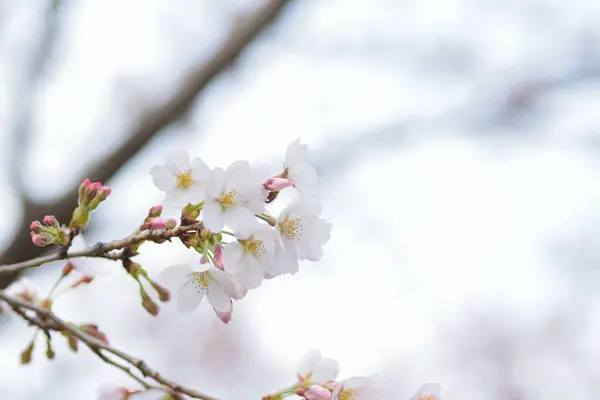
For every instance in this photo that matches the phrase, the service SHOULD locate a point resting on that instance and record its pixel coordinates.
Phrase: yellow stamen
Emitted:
(348, 394)
(229, 199)
(291, 228)
(185, 179)
(254, 247)
(200, 280)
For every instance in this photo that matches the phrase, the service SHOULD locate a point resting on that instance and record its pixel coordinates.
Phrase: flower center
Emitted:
(229, 199)
(428, 397)
(254, 247)
(291, 228)
(348, 394)
(184, 179)
(200, 280)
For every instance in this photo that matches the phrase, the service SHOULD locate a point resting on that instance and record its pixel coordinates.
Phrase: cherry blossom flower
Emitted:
(252, 254)
(313, 368)
(110, 392)
(234, 197)
(182, 180)
(192, 284)
(357, 388)
(301, 230)
(428, 391)
(299, 171)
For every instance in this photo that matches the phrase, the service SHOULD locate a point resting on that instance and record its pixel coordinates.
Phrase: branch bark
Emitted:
(48, 321)
(153, 122)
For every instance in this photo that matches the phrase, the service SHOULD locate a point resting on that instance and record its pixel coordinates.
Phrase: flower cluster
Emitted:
(317, 380)
(231, 203)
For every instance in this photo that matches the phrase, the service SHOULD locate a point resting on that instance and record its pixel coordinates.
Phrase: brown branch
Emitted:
(48, 321)
(102, 250)
(192, 84)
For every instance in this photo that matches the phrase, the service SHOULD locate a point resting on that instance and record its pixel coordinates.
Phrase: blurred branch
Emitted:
(48, 321)
(153, 121)
(103, 250)
(25, 96)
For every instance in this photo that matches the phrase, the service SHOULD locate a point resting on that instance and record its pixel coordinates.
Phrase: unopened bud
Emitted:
(191, 211)
(73, 343)
(41, 239)
(204, 233)
(218, 250)
(92, 330)
(163, 294)
(316, 392)
(85, 279)
(46, 303)
(154, 223)
(49, 350)
(91, 194)
(170, 223)
(51, 221)
(155, 211)
(36, 226)
(67, 269)
(26, 354)
(276, 184)
(149, 304)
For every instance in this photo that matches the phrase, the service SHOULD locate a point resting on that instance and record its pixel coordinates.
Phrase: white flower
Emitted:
(182, 180)
(314, 368)
(24, 289)
(298, 170)
(252, 255)
(428, 391)
(234, 197)
(301, 230)
(286, 261)
(192, 284)
(357, 388)
(152, 394)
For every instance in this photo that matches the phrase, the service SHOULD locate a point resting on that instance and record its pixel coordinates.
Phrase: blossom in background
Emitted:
(301, 230)
(428, 391)
(252, 254)
(234, 197)
(357, 388)
(182, 180)
(192, 284)
(24, 290)
(316, 392)
(313, 368)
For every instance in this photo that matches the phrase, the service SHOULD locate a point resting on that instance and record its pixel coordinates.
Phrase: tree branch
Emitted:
(148, 127)
(102, 250)
(48, 321)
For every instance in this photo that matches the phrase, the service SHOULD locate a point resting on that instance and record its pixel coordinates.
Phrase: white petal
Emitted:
(295, 153)
(213, 216)
(163, 178)
(226, 282)
(175, 275)
(200, 171)
(252, 272)
(237, 173)
(308, 362)
(178, 160)
(286, 260)
(111, 392)
(176, 197)
(326, 370)
(217, 296)
(189, 297)
(231, 257)
(238, 217)
(305, 177)
(216, 184)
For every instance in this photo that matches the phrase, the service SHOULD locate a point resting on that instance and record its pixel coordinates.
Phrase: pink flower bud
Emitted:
(67, 269)
(92, 330)
(85, 279)
(225, 317)
(41, 239)
(91, 194)
(155, 211)
(50, 221)
(35, 226)
(317, 392)
(276, 184)
(218, 256)
(170, 223)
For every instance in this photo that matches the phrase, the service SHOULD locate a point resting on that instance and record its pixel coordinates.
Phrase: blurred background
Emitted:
(458, 146)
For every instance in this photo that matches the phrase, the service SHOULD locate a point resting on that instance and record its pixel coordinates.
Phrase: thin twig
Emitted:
(47, 320)
(102, 250)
